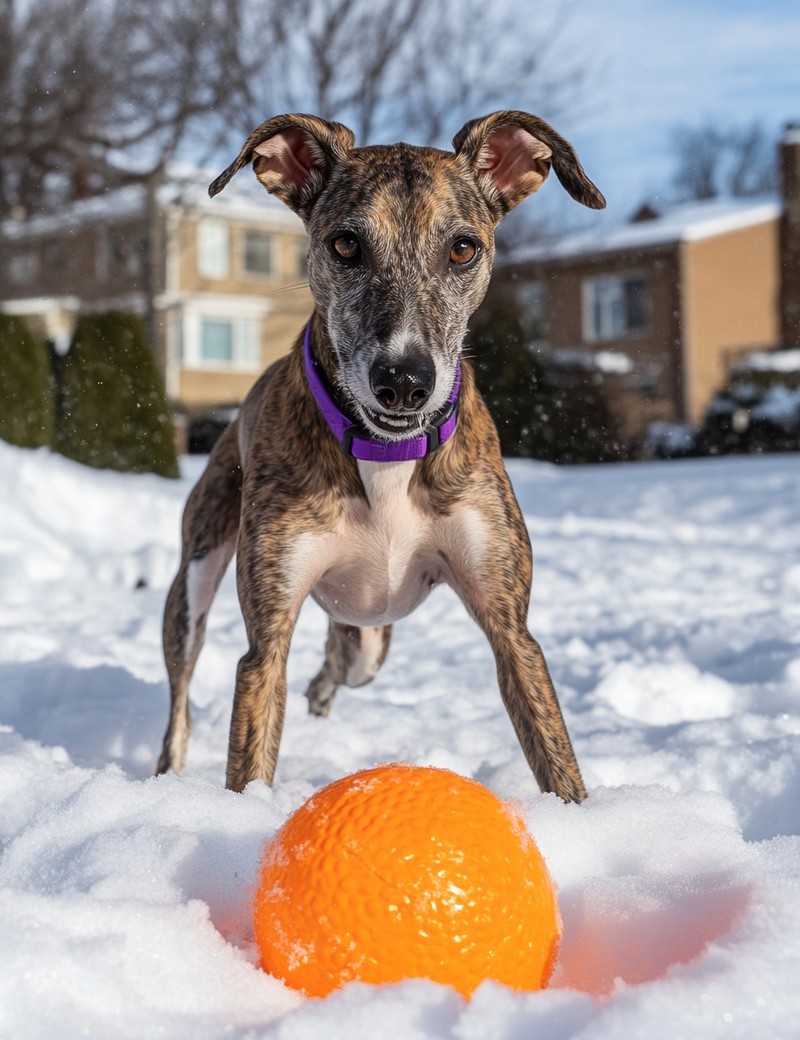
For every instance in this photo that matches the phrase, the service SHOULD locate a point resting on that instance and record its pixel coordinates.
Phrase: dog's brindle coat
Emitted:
(400, 254)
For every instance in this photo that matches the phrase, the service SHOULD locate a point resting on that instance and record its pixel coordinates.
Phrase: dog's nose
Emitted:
(404, 384)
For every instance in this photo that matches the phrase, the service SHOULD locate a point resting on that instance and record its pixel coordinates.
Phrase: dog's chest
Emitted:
(385, 554)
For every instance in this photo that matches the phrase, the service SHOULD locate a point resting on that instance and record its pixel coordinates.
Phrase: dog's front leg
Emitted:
(533, 707)
(493, 580)
(270, 602)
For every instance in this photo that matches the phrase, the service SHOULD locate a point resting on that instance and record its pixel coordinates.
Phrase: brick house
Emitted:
(222, 282)
(661, 305)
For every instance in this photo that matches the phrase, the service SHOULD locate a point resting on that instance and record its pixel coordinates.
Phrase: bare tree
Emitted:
(102, 92)
(393, 67)
(471, 56)
(713, 160)
(98, 92)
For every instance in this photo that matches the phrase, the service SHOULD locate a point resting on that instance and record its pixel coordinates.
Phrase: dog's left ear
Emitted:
(292, 156)
(510, 155)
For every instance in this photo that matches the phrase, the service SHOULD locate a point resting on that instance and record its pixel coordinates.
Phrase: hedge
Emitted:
(111, 407)
(26, 386)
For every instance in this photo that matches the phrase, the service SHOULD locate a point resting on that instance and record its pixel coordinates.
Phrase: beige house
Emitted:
(222, 282)
(659, 306)
(662, 306)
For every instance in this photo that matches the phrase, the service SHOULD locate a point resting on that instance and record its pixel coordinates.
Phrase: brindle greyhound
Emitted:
(363, 468)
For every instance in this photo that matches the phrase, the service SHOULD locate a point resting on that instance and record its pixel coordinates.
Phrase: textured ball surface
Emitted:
(405, 872)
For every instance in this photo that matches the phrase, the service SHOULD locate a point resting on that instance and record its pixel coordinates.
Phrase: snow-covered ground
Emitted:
(667, 599)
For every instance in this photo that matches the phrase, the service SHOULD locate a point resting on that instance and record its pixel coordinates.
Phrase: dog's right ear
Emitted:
(292, 156)
(510, 154)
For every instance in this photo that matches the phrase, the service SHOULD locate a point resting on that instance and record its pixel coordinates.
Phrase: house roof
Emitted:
(684, 223)
(185, 187)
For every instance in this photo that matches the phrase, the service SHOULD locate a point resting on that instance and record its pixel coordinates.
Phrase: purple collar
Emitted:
(359, 443)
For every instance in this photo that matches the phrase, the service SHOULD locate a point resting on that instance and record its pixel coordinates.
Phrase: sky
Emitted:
(657, 64)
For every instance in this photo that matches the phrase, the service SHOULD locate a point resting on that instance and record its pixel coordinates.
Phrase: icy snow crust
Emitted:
(666, 598)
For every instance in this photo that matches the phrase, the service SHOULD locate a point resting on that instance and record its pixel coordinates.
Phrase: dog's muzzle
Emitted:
(362, 444)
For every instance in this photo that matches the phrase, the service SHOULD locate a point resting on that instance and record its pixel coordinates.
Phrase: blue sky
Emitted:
(659, 63)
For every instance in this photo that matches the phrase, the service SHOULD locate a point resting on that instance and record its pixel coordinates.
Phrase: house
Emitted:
(222, 284)
(661, 306)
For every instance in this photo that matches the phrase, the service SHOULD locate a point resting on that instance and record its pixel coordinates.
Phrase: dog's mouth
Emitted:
(397, 424)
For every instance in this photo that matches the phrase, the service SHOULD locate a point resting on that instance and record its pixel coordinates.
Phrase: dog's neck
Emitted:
(360, 443)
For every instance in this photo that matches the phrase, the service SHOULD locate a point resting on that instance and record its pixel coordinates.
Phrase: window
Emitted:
(258, 253)
(55, 253)
(212, 249)
(220, 342)
(123, 251)
(23, 267)
(615, 306)
(216, 340)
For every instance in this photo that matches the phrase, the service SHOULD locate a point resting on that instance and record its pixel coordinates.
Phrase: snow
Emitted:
(779, 405)
(186, 187)
(666, 599)
(769, 361)
(686, 222)
(609, 361)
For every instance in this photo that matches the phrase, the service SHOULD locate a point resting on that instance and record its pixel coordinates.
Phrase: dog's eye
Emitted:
(346, 247)
(463, 252)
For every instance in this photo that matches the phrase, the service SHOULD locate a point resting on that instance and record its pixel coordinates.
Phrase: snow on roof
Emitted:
(684, 223)
(186, 187)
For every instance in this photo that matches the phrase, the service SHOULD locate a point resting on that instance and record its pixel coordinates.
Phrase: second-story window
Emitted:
(23, 267)
(213, 255)
(124, 251)
(258, 253)
(615, 306)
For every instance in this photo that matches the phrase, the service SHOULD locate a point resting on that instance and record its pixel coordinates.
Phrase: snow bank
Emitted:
(665, 597)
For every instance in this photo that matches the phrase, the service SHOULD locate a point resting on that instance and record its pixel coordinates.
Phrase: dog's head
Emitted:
(401, 243)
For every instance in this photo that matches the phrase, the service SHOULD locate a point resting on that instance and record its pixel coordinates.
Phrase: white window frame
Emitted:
(246, 344)
(613, 287)
(213, 248)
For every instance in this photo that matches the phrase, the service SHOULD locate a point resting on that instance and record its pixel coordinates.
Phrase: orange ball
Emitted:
(404, 872)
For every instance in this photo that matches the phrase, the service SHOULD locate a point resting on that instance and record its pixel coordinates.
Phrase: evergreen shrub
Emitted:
(26, 386)
(557, 416)
(112, 411)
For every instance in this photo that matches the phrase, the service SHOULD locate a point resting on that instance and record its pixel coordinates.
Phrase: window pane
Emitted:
(216, 340)
(617, 306)
(23, 267)
(257, 253)
(212, 249)
(616, 312)
(636, 304)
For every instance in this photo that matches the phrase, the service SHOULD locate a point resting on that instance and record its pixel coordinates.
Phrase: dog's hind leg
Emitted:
(353, 656)
(210, 525)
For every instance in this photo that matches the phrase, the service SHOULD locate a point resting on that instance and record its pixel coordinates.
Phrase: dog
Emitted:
(363, 468)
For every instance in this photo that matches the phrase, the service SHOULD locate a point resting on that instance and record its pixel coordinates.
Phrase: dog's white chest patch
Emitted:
(386, 553)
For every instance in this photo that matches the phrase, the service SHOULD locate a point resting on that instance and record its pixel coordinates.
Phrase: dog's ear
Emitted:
(510, 155)
(292, 156)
